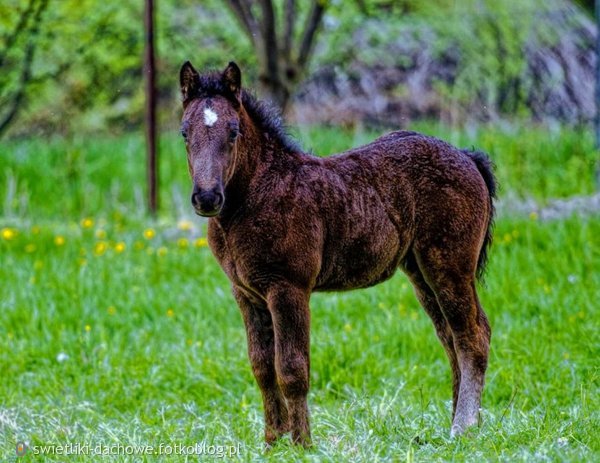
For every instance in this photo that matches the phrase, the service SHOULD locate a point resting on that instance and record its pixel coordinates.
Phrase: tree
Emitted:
(28, 26)
(283, 51)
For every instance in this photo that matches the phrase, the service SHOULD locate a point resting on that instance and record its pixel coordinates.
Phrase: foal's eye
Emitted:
(184, 134)
(234, 130)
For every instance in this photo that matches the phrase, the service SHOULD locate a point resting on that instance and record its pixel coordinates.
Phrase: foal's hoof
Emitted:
(304, 441)
(301, 438)
(460, 429)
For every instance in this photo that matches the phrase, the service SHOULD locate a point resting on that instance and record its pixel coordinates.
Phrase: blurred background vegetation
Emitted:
(75, 66)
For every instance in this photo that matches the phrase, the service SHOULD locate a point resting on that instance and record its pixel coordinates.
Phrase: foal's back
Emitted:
(379, 201)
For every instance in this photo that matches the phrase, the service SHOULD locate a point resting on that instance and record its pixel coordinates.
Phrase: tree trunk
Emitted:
(149, 71)
(281, 67)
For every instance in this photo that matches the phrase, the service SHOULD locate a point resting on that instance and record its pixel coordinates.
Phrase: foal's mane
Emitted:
(267, 118)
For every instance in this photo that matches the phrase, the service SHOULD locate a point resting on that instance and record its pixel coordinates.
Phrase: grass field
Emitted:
(119, 329)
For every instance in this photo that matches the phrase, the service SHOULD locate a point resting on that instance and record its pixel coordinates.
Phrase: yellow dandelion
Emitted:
(88, 328)
(182, 243)
(32, 281)
(35, 230)
(581, 314)
(100, 248)
(201, 242)
(111, 310)
(59, 240)
(547, 289)
(170, 313)
(347, 327)
(566, 355)
(100, 234)
(381, 305)
(9, 233)
(162, 251)
(190, 342)
(533, 215)
(507, 238)
(185, 225)
(413, 315)
(82, 262)
(149, 233)
(87, 223)
(38, 264)
(119, 247)
(30, 248)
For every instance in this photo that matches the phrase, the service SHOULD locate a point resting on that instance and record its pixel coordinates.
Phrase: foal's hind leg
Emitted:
(452, 279)
(427, 298)
(261, 350)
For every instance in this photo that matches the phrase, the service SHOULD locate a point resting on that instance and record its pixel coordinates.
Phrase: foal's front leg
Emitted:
(261, 350)
(291, 320)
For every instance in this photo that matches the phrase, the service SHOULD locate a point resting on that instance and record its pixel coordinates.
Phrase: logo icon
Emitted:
(21, 449)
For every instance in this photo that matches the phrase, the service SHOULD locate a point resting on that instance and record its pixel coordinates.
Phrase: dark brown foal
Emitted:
(284, 223)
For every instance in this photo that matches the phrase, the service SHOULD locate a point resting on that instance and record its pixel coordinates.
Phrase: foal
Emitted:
(284, 223)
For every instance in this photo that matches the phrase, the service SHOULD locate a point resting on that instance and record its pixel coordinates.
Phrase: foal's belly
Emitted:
(360, 262)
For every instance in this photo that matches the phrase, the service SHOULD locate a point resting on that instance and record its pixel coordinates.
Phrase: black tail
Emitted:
(486, 169)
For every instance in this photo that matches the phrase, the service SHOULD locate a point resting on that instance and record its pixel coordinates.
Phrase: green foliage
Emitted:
(87, 73)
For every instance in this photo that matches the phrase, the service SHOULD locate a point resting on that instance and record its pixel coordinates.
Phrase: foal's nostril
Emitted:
(207, 201)
(218, 198)
(195, 199)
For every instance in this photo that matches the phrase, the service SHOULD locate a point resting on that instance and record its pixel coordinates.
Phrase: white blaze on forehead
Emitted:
(210, 117)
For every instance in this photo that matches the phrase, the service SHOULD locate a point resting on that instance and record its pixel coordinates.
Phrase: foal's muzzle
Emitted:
(207, 203)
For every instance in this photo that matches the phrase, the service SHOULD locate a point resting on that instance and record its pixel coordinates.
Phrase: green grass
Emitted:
(52, 179)
(121, 329)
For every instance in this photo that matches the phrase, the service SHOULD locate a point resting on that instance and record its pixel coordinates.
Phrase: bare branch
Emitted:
(241, 9)
(269, 40)
(312, 25)
(247, 7)
(288, 31)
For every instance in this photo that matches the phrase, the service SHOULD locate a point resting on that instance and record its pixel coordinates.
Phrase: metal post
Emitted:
(597, 96)
(149, 72)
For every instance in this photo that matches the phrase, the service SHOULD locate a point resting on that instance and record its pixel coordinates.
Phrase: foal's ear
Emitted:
(232, 79)
(189, 79)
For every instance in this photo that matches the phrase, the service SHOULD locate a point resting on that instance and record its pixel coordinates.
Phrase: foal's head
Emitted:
(210, 128)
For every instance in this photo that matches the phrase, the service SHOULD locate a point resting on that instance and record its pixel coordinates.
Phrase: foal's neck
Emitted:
(256, 152)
